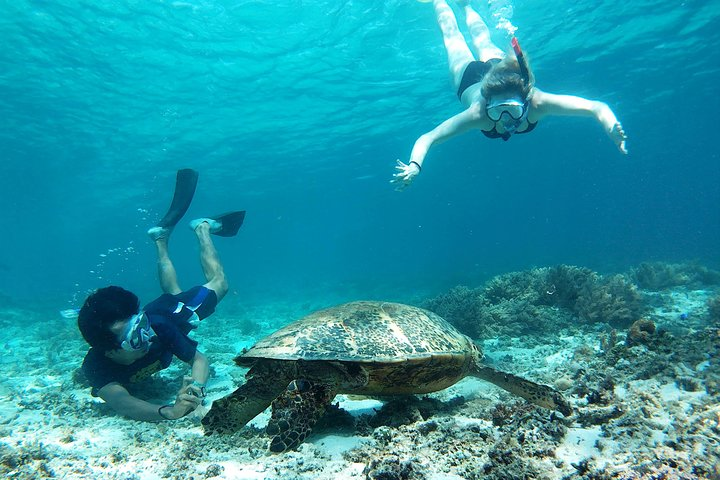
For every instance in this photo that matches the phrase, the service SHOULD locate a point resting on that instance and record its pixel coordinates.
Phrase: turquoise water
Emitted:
(296, 111)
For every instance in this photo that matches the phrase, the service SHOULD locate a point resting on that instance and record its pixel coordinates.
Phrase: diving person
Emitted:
(498, 92)
(129, 344)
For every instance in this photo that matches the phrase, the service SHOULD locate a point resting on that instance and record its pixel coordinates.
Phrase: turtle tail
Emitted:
(540, 395)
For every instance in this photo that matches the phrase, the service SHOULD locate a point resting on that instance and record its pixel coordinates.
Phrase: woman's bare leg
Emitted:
(480, 34)
(458, 52)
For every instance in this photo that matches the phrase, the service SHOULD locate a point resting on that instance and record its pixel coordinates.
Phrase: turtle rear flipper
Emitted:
(540, 395)
(295, 412)
(230, 414)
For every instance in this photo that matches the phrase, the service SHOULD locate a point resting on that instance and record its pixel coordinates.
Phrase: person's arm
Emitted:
(552, 104)
(451, 127)
(125, 404)
(200, 374)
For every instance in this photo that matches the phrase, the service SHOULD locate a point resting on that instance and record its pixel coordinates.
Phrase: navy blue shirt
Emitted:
(171, 317)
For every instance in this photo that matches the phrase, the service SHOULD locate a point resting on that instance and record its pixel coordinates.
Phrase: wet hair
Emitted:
(101, 309)
(505, 77)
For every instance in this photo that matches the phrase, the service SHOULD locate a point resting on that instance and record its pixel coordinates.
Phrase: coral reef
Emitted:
(27, 460)
(645, 390)
(640, 332)
(713, 306)
(522, 445)
(539, 300)
(390, 467)
(564, 284)
(612, 300)
(660, 275)
(463, 307)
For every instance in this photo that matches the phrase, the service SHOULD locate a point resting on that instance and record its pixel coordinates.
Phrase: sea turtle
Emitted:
(366, 348)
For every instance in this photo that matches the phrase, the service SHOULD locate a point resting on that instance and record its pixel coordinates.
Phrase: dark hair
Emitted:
(101, 309)
(505, 77)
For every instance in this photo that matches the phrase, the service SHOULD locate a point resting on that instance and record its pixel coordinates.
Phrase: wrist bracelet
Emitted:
(417, 165)
(161, 414)
(200, 387)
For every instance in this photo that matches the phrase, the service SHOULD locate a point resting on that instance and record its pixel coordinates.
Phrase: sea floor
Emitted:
(646, 411)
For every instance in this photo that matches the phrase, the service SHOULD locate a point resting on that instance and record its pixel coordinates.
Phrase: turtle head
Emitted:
(476, 352)
(562, 405)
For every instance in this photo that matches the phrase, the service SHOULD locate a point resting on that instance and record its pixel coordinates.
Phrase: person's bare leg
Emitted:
(166, 269)
(458, 52)
(480, 34)
(210, 262)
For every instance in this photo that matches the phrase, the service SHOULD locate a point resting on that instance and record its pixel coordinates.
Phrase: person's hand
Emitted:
(618, 136)
(197, 389)
(187, 400)
(406, 173)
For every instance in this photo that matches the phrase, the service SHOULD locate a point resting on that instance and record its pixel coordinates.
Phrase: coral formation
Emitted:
(564, 284)
(661, 275)
(612, 300)
(713, 305)
(645, 392)
(539, 300)
(640, 332)
(391, 467)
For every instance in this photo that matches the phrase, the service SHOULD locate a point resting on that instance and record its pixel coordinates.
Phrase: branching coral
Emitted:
(537, 300)
(507, 305)
(564, 283)
(461, 306)
(613, 300)
(515, 286)
(661, 275)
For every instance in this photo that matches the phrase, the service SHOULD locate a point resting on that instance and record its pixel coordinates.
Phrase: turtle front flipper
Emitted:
(231, 413)
(540, 395)
(295, 412)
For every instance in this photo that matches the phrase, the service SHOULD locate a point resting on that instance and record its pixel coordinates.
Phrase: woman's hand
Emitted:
(617, 134)
(406, 173)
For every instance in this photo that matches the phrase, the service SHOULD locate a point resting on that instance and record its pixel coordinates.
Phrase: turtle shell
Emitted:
(365, 331)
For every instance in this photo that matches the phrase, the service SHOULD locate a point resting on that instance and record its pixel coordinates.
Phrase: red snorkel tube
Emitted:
(524, 72)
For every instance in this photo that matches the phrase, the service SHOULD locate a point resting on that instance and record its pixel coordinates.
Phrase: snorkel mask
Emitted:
(139, 333)
(511, 111)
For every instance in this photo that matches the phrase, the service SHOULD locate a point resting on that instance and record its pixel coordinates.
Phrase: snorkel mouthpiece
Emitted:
(524, 72)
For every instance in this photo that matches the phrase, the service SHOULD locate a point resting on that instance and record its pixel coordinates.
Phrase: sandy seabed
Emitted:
(644, 410)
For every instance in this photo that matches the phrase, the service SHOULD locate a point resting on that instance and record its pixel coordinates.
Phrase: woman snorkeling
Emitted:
(498, 92)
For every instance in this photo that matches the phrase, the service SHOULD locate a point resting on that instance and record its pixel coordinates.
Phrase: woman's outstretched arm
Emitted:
(551, 104)
(451, 127)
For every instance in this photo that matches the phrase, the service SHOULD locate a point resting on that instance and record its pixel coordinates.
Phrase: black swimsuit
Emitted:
(474, 73)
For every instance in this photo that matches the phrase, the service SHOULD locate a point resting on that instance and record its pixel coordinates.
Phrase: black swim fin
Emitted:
(230, 223)
(185, 184)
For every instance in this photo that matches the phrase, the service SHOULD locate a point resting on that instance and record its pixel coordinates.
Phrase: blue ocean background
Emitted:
(296, 111)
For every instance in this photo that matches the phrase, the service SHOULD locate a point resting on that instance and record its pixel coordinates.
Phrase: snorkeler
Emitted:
(498, 92)
(128, 344)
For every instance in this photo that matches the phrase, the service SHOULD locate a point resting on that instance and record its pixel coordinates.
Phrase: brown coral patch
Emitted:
(641, 331)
